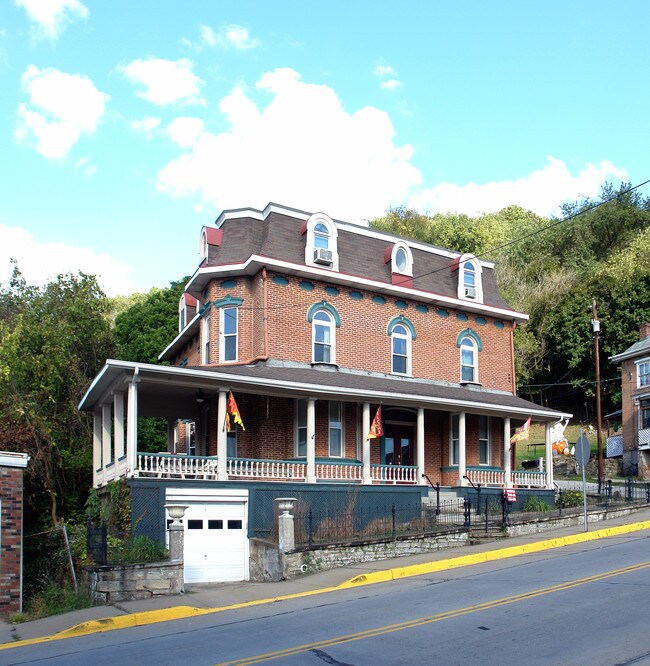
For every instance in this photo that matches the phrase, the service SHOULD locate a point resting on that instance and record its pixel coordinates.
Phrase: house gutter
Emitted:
(265, 327)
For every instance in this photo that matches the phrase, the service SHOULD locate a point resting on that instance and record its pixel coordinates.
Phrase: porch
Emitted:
(205, 468)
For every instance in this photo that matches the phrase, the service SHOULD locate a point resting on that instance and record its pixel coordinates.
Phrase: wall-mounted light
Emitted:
(199, 397)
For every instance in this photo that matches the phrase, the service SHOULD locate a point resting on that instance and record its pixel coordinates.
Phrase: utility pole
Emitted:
(596, 328)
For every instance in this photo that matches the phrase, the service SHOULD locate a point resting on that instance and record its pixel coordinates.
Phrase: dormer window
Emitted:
(402, 259)
(321, 242)
(470, 286)
(209, 236)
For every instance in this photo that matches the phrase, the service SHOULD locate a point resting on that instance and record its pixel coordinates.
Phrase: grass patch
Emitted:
(537, 435)
(53, 600)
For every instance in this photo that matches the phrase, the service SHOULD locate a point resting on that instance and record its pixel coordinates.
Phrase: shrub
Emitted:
(570, 498)
(53, 600)
(534, 503)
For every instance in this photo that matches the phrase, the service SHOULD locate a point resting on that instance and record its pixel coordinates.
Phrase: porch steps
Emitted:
(478, 534)
(445, 496)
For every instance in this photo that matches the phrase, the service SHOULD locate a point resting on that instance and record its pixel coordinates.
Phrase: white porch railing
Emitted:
(394, 473)
(169, 466)
(279, 470)
(644, 438)
(487, 477)
(338, 472)
(529, 479)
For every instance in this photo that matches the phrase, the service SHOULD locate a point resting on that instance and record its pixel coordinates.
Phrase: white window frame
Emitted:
(331, 325)
(336, 426)
(463, 284)
(408, 269)
(203, 245)
(205, 339)
(486, 439)
(223, 336)
(405, 335)
(300, 406)
(332, 240)
(454, 442)
(190, 438)
(182, 314)
(643, 373)
(474, 365)
(644, 406)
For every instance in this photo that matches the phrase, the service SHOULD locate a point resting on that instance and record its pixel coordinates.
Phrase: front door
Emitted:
(398, 444)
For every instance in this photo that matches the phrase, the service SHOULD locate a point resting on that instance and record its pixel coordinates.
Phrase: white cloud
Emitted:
(40, 262)
(391, 84)
(229, 37)
(62, 107)
(541, 191)
(185, 131)
(301, 149)
(52, 16)
(146, 126)
(84, 164)
(384, 70)
(166, 81)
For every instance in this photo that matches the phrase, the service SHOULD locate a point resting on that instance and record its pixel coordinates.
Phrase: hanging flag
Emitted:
(376, 428)
(232, 412)
(521, 433)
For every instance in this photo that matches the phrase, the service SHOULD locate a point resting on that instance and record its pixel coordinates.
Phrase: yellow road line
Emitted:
(418, 622)
(180, 612)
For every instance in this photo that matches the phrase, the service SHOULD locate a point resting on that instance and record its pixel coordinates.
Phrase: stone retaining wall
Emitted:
(330, 557)
(129, 582)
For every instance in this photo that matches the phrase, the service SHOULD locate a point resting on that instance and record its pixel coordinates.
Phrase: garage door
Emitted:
(216, 545)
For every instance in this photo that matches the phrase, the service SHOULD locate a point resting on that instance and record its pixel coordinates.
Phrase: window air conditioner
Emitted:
(323, 256)
(470, 292)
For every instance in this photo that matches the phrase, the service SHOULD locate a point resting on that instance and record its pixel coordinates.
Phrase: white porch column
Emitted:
(507, 467)
(132, 426)
(118, 426)
(548, 454)
(222, 437)
(98, 470)
(419, 438)
(365, 429)
(311, 440)
(462, 457)
(107, 414)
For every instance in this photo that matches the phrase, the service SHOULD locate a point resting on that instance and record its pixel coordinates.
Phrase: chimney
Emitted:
(644, 331)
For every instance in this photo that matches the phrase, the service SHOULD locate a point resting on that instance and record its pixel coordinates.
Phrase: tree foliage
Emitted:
(53, 340)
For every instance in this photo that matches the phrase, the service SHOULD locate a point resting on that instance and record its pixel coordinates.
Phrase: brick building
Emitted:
(12, 466)
(312, 324)
(635, 399)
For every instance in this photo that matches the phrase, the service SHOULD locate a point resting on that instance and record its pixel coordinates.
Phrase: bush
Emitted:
(138, 550)
(534, 503)
(570, 498)
(53, 600)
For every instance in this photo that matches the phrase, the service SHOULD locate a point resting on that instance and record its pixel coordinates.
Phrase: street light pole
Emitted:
(596, 328)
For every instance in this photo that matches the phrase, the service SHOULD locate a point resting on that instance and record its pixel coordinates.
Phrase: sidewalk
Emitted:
(210, 597)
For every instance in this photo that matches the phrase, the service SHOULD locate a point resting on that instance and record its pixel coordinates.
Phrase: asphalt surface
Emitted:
(201, 599)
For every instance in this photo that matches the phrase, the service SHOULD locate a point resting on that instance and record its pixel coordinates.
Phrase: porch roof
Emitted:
(170, 390)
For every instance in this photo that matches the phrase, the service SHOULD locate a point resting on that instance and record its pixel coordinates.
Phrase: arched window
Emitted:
(401, 259)
(470, 284)
(323, 337)
(401, 350)
(468, 360)
(321, 242)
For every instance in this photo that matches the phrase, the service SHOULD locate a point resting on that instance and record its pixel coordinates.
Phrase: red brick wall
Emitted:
(11, 529)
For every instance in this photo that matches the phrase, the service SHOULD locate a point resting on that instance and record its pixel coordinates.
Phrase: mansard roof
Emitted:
(273, 237)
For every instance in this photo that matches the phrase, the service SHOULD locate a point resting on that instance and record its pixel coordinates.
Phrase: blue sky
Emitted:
(127, 126)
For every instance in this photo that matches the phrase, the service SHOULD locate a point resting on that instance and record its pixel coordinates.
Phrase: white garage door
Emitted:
(215, 534)
(215, 542)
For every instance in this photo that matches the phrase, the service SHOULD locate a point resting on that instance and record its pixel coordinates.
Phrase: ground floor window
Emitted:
(301, 428)
(644, 414)
(190, 438)
(484, 440)
(453, 444)
(231, 444)
(335, 429)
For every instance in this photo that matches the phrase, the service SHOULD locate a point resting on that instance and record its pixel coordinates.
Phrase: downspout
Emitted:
(512, 357)
(265, 326)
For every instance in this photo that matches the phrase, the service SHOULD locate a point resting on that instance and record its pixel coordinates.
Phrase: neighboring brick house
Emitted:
(12, 466)
(312, 324)
(635, 399)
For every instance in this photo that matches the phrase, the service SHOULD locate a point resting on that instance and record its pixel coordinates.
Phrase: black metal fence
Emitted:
(354, 524)
(482, 513)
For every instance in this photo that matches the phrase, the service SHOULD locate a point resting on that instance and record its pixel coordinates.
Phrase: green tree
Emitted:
(53, 340)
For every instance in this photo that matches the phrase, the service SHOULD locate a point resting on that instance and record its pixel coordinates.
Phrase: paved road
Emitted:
(582, 604)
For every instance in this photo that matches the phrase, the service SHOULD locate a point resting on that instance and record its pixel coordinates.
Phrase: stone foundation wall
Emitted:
(129, 582)
(331, 557)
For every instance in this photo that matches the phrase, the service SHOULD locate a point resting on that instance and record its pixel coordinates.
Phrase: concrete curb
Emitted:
(181, 612)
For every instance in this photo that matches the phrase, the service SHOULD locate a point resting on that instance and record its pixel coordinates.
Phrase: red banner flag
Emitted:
(232, 412)
(521, 433)
(376, 428)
